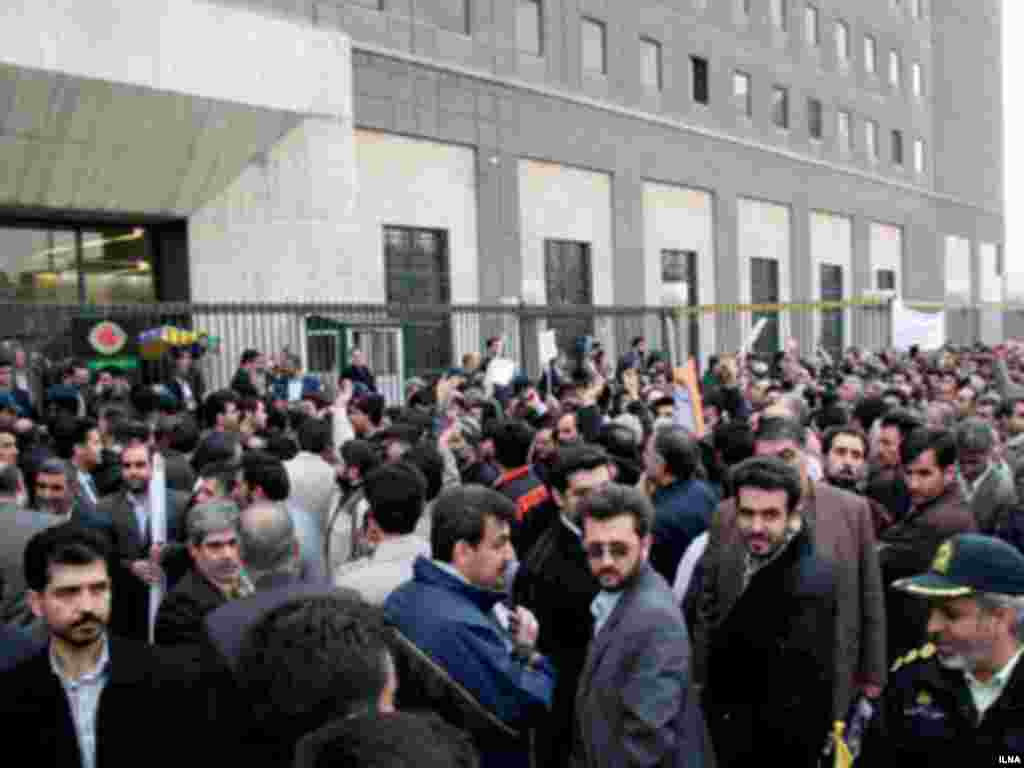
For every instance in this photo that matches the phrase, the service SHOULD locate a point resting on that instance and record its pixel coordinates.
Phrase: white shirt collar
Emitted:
(985, 694)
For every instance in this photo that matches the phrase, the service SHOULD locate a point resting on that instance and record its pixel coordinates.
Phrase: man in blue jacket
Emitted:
(485, 658)
(683, 503)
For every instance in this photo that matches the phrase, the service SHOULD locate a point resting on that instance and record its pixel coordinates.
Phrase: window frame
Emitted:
(648, 44)
(783, 91)
(844, 135)
(813, 104)
(895, 69)
(871, 61)
(696, 63)
(747, 108)
(896, 148)
(588, 22)
(842, 41)
(871, 140)
(920, 156)
(538, 5)
(812, 25)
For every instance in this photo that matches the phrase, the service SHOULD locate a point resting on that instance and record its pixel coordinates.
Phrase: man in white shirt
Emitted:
(396, 494)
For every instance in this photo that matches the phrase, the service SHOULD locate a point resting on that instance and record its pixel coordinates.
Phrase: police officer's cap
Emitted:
(969, 563)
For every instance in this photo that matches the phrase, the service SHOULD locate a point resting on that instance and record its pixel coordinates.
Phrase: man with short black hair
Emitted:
(221, 408)
(344, 537)
(396, 494)
(366, 412)
(501, 685)
(556, 584)
(840, 530)
(886, 481)
(770, 675)
(312, 478)
(635, 704)
(518, 482)
(930, 459)
(69, 704)
(249, 379)
(683, 503)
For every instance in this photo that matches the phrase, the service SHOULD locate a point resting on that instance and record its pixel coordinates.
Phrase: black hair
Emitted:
(311, 660)
(400, 740)
(130, 431)
(614, 500)
(870, 410)
(262, 469)
(461, 514)
(66, 544)
(224, 472)
(781, 428)
(372, 405)
(216, 403)
(249, 355)
(361, 455)
(315, 436)
(512, 442)
(216, 446)
(184, 436)
(572, 459)
(768, 473)
(905, 421)
(734, 440)
(428, 460)
(923, 439)
(282, 446)
(637, 341)
(396, 494)
(679, 452)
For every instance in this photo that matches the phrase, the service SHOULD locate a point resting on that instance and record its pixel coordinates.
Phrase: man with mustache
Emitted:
(846, 450)
(69, 704)
(215, 576)
(770, 669)
(958, 701)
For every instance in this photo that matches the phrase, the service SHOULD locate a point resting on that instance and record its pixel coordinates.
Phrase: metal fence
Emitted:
(405, 340)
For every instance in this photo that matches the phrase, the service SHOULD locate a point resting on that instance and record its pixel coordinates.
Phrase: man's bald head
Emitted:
(268, 539)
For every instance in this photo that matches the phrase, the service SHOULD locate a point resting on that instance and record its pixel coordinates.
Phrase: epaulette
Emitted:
(918, 654)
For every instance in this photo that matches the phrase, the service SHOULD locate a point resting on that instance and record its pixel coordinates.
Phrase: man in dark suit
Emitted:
(634, 704)
(214, 577)
(139, 562)
(358, 372)
(556, 584)
(69, 704)
(249, 380)
(186, 385)
(271, 559)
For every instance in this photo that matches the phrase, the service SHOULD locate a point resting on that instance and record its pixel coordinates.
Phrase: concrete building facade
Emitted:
(506, 151)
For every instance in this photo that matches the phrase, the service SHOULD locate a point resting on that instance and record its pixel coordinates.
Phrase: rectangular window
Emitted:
(679, 268)
(897, 148)
(917, 80)
(780, 106)
(529, 27)
(871, 139)
(745, 6)
(453, 15)
(812, 32)
(842, 41)
(568, 281)
(650, 53)
(870, 55)
(843, 135)
(741, 92)
(699, 79)
(814, 118)
(594, 58)
(917, 8)
(895, 67)
(417, 272)
(885, 280)
(780, 13)
(918, 156)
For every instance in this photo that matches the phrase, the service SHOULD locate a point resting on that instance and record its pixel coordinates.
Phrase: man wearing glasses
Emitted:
(634, 704)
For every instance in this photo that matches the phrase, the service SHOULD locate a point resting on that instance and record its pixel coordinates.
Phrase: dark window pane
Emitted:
(568, 282)
(699, 74)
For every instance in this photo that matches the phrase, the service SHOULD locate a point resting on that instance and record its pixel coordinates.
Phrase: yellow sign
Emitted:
(924, 698)
(942, 558)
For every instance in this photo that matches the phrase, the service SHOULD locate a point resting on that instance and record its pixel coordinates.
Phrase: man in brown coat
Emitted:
(843, 534)
(907, 547)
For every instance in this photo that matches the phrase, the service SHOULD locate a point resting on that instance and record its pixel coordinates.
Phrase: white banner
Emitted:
(158, 530)
(909, 327)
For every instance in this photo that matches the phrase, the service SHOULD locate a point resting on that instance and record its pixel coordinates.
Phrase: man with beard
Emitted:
(69, 704)
(906, 547)
(846, 450)
(770, 665)
(556, 584)
(215, 576)
(958, 700)
(139, 562)
(634, 703)
(886, 483)
(840, 530)
(986, 482)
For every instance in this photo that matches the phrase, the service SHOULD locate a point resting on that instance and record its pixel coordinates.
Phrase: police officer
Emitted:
(959, 700)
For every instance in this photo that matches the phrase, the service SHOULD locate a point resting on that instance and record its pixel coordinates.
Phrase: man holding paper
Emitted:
(143, 557)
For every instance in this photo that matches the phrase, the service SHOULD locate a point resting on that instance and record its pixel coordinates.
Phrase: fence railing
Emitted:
(405, 340)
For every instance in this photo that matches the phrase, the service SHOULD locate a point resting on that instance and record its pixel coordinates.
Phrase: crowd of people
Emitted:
(812, 561)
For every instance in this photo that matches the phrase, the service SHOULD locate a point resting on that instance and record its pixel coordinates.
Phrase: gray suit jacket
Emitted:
(312, 486)
(635, 704)
(17, 526)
